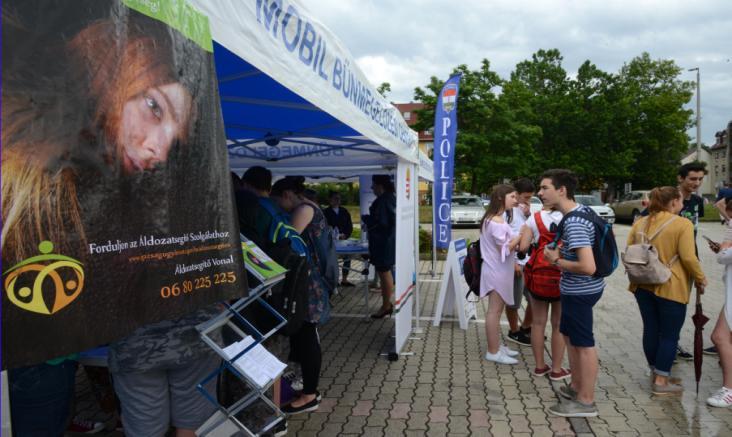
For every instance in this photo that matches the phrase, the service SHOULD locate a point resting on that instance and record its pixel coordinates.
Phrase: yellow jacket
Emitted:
(676, 238)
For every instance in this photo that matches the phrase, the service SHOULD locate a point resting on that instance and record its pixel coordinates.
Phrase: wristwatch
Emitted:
(556, 262)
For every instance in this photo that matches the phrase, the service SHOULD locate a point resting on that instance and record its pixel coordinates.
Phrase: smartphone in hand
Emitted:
(712, 244)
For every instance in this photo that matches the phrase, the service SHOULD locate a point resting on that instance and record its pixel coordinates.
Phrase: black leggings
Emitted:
(305, 349)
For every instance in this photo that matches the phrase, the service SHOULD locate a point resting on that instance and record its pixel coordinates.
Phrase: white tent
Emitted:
(295, 101)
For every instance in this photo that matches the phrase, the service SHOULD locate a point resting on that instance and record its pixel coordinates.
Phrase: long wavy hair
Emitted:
(498, 201)
(59, 128)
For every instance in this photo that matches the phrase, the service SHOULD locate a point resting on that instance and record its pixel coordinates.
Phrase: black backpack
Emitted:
(290, 296)
(285, 246)
(605, 249)
(324, 255)
(471, 268)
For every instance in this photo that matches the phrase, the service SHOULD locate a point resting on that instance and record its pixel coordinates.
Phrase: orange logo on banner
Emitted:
(65, 275)
(409, 187)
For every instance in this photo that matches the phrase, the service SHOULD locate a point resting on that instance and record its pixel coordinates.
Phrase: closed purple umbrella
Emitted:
(699, 321)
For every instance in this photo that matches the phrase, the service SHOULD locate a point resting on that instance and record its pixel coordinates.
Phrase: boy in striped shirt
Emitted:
(579, 289)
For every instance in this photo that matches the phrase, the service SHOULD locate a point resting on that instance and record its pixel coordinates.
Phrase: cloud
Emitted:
(405, 42)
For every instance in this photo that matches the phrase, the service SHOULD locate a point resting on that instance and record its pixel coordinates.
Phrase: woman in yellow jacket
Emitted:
(663, 306)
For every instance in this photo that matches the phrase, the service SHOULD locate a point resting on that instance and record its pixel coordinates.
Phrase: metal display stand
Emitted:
(227, 421)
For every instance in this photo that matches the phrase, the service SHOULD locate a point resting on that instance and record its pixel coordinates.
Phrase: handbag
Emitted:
(642, 263)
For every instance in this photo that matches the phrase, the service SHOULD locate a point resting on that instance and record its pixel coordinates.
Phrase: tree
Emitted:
(491, 143)
(384, 89)
(608, 128)
(656, 121)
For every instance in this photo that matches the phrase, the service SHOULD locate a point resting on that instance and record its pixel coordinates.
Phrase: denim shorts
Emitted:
(576, 319)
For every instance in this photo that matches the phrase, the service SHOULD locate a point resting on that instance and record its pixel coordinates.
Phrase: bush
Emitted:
(425, 240)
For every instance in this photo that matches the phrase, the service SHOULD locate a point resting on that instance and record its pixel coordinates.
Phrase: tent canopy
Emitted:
(293, 98)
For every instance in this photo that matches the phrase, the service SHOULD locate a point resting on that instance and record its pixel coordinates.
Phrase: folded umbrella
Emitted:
(699, 321)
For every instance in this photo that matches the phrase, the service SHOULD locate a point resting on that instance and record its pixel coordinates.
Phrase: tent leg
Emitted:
(417, 328)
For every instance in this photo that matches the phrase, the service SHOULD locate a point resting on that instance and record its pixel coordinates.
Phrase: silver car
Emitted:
(466, 210)
(629, 206)
(601, 209)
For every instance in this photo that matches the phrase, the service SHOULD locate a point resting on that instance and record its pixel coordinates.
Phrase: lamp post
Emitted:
(698, 114)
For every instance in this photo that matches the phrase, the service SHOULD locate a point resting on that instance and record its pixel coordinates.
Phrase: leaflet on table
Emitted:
(351, 245)
(259, 263)
(258, 364)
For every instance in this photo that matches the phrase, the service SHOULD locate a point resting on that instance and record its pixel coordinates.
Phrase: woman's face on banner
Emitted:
(151, 122)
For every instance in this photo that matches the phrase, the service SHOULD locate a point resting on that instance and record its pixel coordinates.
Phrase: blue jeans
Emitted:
(662, 322)
(40, 398)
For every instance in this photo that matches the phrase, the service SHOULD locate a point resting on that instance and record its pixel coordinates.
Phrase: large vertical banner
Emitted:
(444, 160)
(406, 275)
(116, 195)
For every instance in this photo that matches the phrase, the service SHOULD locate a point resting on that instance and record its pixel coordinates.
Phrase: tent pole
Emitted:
(434, 235)
(417, 329)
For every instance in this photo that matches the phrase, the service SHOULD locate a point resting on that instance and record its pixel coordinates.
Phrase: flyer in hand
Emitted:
(259, 263)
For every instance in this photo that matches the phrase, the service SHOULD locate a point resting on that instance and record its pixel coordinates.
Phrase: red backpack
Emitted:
(540, 276)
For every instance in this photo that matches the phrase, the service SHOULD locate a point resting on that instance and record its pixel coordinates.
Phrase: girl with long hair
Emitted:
(308, 219)
(122, 105)
(663, 306)
(496, 275)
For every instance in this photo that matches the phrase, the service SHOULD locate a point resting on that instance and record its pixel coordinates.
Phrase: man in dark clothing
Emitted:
(723, 196)
(254, 221)
(340, 219)
(690, 179)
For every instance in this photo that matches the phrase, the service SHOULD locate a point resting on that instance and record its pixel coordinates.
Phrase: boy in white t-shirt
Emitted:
(541, 304)
(520, 333)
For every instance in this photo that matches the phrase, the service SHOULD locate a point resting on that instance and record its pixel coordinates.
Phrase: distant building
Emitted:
(426, 138)
(720, 159)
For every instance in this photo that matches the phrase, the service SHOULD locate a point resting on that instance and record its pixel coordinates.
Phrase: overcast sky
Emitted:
(404, 42)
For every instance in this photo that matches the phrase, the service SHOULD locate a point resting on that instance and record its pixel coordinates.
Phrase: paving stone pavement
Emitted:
(444, 386)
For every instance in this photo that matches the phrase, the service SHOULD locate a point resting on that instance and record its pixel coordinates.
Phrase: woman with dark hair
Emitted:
(663, 306)
(308, 219)
(496, 275)
(381, 226)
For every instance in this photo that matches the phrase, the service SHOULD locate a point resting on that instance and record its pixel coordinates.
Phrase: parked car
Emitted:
(535, 204)
(466, 210)
(630, 205)
(601, 209)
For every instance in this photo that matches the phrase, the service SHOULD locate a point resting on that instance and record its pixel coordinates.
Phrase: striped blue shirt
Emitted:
(578, 233)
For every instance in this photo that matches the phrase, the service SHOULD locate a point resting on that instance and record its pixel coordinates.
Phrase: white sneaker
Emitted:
(722, 398)
(500, 357)
(510, 352)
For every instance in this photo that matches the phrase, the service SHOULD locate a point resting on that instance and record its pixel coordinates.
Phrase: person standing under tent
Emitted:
(497, 246)
(381, 226)
(309, 221)
(340, 219)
